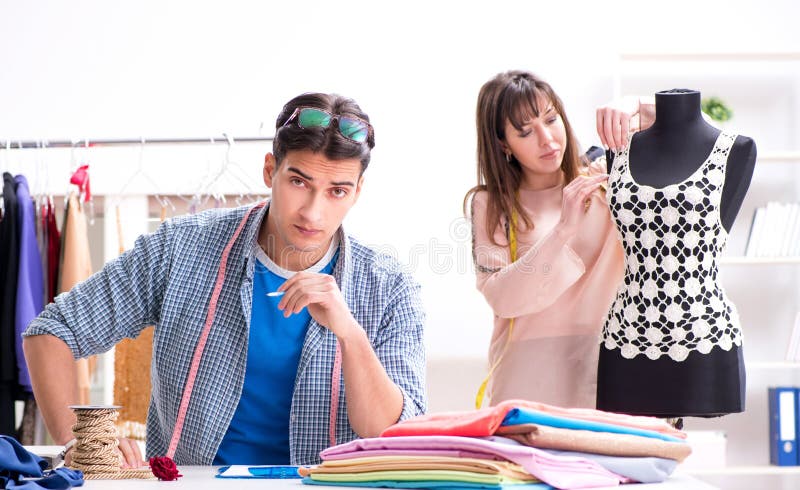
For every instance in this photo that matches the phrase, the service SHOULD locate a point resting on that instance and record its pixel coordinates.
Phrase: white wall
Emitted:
(95, 69)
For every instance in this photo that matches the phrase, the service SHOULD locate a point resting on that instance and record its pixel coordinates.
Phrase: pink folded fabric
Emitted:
(559, 471)
(486, 421)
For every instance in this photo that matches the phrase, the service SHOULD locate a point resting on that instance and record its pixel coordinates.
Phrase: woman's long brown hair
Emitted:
(512, 96)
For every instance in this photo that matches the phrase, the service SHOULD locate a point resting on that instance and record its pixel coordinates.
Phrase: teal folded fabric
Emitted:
(517, 416)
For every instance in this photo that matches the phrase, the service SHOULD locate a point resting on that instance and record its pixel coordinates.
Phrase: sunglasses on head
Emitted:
(350, 127)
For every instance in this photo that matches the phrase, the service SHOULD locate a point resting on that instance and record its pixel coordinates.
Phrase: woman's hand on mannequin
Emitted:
(574, 203)
(619, 117)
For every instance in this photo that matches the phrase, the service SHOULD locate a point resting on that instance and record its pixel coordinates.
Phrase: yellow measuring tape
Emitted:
(512, 242)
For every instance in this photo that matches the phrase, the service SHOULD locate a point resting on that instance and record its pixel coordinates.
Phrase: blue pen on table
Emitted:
(265, 471)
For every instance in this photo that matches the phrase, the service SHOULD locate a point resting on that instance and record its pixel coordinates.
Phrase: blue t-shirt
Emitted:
(259, 431)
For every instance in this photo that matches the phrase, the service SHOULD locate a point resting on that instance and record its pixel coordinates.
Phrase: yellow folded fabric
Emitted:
(410, 463)
(417, 475)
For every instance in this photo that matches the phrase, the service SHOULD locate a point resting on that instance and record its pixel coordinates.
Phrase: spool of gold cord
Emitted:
(95, 451)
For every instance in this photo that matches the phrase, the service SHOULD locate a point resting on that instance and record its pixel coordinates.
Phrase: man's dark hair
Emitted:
(328, 141)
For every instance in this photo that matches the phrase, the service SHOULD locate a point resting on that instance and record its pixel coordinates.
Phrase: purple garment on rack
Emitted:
(558, 471)
(30, 282)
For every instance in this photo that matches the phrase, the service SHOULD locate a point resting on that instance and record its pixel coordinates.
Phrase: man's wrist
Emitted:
(351, 332)
(67, 447)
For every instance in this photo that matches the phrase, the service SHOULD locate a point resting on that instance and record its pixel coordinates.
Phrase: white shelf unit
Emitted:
(700, 57)
(772, 365)
(779, 157)
(763, 89)
(731, 260)
(713, 56)
(749, 470)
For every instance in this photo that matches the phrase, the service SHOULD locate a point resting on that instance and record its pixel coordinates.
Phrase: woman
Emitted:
(551, 271)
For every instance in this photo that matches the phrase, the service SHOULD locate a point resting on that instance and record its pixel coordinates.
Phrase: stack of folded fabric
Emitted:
(517, 444)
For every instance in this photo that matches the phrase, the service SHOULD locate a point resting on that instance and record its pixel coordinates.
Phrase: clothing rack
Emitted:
(7, 144)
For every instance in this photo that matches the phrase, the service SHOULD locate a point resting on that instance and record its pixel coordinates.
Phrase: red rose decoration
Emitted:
(164, 468)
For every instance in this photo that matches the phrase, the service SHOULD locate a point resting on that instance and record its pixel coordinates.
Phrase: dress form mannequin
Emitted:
(651, 362)
(679, 140)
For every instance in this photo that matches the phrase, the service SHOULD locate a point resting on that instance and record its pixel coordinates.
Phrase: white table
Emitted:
(202, 477)
(198, 478)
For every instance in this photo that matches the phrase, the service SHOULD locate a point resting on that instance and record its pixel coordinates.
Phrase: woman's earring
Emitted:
(508, 157)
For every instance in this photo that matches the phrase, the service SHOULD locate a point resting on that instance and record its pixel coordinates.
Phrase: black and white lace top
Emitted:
(671, 301)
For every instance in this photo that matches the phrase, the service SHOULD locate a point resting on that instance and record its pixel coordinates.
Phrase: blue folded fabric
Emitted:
(517, 416)
(449, 485)
(17, 461)
(58, 479)
(21, 469)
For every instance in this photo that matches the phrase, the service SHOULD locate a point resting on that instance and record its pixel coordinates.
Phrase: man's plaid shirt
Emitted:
(167, 279)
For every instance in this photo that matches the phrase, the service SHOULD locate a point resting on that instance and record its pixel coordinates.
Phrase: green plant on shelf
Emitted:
(716, 109)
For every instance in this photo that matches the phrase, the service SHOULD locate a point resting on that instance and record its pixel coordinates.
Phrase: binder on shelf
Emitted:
(793, 351)
(774, 231)
(756, 228)
(782, 426)
(791, 230)
(794, 248)
(797, 424)
(771, 230)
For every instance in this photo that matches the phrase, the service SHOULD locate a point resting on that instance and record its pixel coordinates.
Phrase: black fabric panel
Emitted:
(7, 415)
(9, 265)
(703, 385)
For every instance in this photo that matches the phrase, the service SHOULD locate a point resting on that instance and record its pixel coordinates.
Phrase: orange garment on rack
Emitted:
(76, 266)
(132, 358)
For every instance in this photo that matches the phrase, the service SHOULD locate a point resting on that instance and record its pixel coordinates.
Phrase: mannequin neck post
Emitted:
(678, 108)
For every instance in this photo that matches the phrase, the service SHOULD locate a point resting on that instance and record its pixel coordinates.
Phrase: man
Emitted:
(261, 299)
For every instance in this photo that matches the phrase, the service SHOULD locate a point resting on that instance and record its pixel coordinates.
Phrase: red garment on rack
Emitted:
(53, 250)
